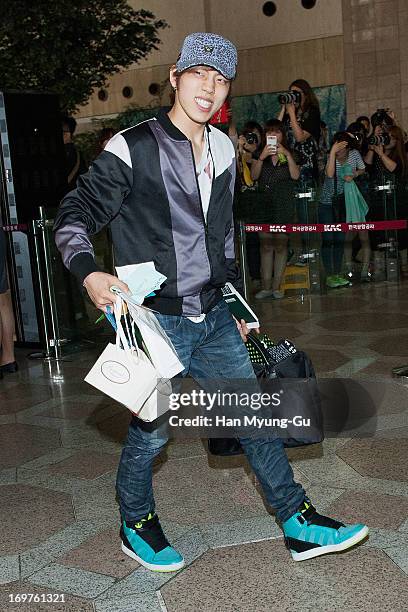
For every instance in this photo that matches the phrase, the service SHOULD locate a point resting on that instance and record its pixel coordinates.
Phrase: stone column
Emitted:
(376, 56)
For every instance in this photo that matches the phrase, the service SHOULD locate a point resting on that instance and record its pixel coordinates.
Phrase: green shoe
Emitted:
(341, 281)
(332, 282)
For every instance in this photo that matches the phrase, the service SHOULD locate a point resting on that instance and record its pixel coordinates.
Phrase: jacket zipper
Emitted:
(201, 207)
(198, 189)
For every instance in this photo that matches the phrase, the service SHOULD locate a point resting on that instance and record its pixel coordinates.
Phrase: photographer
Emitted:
(300, 114)
(275, 170)
(344, 165)
(301, 118)
(74, 162)
(248, 145)
(387, 162)
(387, 156)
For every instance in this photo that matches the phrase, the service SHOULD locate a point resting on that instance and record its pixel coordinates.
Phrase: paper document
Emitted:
(142, 279)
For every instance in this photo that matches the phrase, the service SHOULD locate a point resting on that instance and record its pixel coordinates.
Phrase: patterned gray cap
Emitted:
(205, 49)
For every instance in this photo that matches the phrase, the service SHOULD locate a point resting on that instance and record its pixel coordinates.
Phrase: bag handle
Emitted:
(131, 330)
(120, 334)
(260, 347)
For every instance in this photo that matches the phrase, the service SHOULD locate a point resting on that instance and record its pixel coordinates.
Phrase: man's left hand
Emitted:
(243, 329)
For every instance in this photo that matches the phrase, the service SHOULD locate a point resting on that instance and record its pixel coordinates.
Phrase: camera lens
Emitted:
(381, 139)
(284, 98)
(289, 97)
(251, 138)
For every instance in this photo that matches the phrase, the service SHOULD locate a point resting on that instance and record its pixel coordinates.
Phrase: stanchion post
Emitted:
(391, 253)
(37, 227)
(50, 288)
(243, 258)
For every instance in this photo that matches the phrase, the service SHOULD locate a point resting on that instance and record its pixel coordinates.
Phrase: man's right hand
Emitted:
(98, 286)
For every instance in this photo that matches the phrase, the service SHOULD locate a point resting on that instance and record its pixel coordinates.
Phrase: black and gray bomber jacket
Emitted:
(144, 186)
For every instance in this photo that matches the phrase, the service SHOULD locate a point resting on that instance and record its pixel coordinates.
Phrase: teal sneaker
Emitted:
(145, 542)
(309, 534)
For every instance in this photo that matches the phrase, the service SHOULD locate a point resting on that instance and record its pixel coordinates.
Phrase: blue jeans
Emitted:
(212, 349)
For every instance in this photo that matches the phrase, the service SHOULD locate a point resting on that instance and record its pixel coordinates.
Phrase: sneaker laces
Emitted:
(144, 520)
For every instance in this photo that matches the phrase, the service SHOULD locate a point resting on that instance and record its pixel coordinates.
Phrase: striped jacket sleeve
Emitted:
(92, 205)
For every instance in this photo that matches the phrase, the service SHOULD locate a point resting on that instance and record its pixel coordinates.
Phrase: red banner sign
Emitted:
(16, 227)
(316, 228)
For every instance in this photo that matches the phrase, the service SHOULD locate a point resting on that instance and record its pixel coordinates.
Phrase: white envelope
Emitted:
(141, 278)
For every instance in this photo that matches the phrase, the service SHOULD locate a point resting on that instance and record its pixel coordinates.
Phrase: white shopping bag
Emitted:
(125, 374)
(158, 344)
(142, 279)
(155, 405)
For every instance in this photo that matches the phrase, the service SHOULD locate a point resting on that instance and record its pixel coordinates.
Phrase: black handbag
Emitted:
(224, 447)
(296, 366)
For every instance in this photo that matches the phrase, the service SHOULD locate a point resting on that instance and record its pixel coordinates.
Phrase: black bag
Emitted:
(224, 447)
(297, 365)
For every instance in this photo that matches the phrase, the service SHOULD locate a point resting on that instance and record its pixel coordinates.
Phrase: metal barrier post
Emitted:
(391, 254)
(307, 194)
(243, 258)
(54, 340)
(38, 228)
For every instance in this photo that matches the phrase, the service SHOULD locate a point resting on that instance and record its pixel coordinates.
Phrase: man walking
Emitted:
(165, 186)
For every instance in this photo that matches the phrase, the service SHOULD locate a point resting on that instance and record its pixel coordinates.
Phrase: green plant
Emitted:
(70, 47)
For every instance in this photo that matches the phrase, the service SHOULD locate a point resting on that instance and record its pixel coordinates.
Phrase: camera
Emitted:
(357, 130)
(381, 139)
(381, 117)
(290, 97)
(251, 138)
(358, 137)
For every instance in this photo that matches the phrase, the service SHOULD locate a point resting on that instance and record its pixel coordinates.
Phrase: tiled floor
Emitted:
(60, 442)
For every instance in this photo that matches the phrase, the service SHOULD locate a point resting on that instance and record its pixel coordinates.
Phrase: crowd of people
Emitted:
(289, 155)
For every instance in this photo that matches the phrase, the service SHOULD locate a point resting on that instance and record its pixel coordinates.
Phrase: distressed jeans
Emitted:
(211, 349)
